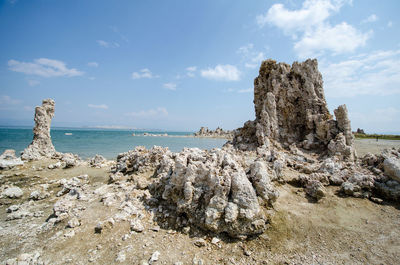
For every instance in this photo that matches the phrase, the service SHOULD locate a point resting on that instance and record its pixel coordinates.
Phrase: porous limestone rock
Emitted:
(41, 145)
(97, 161)
(218, 133)
(290, 108)
(209, 189)
(12, 192)
(391, 164)
(8, 159)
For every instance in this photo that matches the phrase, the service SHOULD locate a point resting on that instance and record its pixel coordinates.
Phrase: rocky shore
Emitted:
(288, 188)
(217, 133)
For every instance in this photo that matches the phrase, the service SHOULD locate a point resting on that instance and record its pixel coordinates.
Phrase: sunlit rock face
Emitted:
(290, 108)
(41, 145)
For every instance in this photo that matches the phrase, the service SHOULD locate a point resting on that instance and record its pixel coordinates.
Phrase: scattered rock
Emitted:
(315, 189)
(154, 257)
(97, 161)
(12, 192)
(8, 159)
(137, 226)
(200, 242)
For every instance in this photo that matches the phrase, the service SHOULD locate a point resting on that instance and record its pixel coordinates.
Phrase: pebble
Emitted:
(200, 242)
(154, 257)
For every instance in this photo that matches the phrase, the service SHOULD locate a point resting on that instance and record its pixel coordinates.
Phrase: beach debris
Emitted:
(8, 159)
(41, 145)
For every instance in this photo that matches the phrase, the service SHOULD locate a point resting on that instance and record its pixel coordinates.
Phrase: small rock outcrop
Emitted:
(9, 160)
(213, 190)
(41, 145)
(217, 133)
(290, 108)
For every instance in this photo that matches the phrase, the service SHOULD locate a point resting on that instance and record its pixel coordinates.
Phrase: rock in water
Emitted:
(290, 109)
(41, 145)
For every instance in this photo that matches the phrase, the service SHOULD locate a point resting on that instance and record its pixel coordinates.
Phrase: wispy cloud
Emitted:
(106, 44)
(32, 82)
(225, 72)
(43, 67)
(376, 73)
(144, 73)
(190, 71)
(7, 100)
(118, 32)
(248, 90)
(170, 86)
(251, 57)
(371, 18)
(9, 103)
(317, 35)
(102, 106)
(151, 113)
(93, 64)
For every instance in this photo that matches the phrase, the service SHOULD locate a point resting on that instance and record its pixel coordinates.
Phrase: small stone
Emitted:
(98, 228)
(200, 242)
(121, 257)
(155, 228)
(376, 200)
(13, 192)
(154, 257)
(12, 208)
(70, 233)
(137, 226)
(197, 261)
(74, 222)
(215, 241)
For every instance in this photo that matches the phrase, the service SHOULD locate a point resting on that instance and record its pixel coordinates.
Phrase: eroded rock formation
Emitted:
(41, 145)
(290, 108)
(213, 190)
(217, 133)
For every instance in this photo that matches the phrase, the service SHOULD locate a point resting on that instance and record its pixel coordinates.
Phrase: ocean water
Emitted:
(109, 143)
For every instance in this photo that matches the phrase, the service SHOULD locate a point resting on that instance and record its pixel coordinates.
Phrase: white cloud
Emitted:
(371, 18)
(225, 72)
(317, 35)
(92, 78)
(190, 71)
(32, 82)
(102, 106)
(106, 44)
(252, 57)
(341, 38)
(249, 90)
(152, 113)
(7, 100)
(170, 86)
(93, 64)
(43, 67)
(390, 24)
(144, 73)
(376, 73)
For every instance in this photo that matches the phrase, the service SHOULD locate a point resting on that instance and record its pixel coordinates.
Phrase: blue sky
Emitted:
(179, 65)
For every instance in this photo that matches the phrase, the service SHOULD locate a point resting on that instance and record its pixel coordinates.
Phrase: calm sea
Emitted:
(109, 143)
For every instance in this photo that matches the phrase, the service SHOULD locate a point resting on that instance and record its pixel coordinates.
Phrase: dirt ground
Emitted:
(336, 230)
